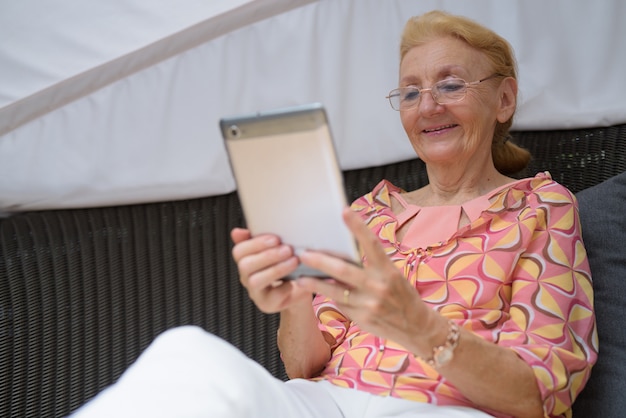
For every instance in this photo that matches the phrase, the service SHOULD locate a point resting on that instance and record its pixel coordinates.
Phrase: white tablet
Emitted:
(288, 180)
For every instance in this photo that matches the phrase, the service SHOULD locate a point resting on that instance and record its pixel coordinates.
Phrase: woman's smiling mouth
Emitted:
(439, 128)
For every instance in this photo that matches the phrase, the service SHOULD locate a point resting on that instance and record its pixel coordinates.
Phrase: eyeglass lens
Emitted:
(444, 92)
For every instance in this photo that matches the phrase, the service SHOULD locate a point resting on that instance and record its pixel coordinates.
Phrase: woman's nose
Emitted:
(427, 102)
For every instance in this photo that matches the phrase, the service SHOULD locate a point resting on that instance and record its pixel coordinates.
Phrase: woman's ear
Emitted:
(508, 99)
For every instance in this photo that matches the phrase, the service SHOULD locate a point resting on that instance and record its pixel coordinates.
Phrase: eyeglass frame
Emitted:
(430, 89)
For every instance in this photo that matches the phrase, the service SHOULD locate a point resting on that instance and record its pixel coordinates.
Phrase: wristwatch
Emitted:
(443, 354)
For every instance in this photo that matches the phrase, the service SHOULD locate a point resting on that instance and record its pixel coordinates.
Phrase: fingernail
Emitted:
(284, 250)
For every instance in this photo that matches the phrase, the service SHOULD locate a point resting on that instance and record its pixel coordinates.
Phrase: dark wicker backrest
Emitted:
(83, 292)
(576, 158)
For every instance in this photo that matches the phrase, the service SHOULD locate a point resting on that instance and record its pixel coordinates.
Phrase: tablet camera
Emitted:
(234, 130)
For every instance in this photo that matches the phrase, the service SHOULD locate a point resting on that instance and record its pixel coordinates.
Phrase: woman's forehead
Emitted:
(441, 57)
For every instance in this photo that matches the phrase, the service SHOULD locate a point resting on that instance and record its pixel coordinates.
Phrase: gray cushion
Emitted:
(603, 218)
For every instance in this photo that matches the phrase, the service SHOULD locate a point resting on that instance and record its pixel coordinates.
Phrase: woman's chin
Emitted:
(441, 154)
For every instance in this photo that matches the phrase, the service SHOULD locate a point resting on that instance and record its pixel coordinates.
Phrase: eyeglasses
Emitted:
(444, 92)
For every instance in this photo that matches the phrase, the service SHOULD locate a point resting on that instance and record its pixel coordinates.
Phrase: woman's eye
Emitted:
(411, 95)
(451, 87)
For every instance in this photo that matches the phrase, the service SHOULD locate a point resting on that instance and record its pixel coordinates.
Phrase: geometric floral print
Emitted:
(517, 276)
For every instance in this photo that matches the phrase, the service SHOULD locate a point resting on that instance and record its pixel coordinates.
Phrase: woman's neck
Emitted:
(455, 186)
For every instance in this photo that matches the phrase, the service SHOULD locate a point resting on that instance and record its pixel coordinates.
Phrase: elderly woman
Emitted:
(474, 298)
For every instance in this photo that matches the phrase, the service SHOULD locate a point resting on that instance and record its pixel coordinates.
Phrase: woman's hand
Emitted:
(378, 297)
(262, 262)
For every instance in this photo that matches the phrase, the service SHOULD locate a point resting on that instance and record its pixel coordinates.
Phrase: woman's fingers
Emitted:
(262, 254)
(246, 245)
(341, 293)
(262, 270)
(334, 267)
(262, 262)
(238, 235)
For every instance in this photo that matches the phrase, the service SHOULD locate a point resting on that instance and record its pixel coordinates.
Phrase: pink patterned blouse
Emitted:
(517, 275)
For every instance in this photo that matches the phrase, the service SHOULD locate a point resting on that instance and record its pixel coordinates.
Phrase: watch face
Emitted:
(444, 356)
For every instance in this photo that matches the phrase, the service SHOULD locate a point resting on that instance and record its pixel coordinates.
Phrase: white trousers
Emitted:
(187, 372)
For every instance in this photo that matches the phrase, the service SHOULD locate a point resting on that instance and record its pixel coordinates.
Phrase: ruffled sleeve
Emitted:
(552, 323)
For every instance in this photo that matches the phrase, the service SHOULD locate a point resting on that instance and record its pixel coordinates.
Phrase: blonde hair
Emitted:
(508, 158)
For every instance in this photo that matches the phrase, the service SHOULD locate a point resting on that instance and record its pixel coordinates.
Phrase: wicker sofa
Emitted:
(84, 291)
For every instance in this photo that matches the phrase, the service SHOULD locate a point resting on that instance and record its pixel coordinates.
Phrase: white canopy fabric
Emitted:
(118, 102)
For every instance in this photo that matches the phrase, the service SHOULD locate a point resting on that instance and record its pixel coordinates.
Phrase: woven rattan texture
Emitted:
(576, 158)
(83, 292)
